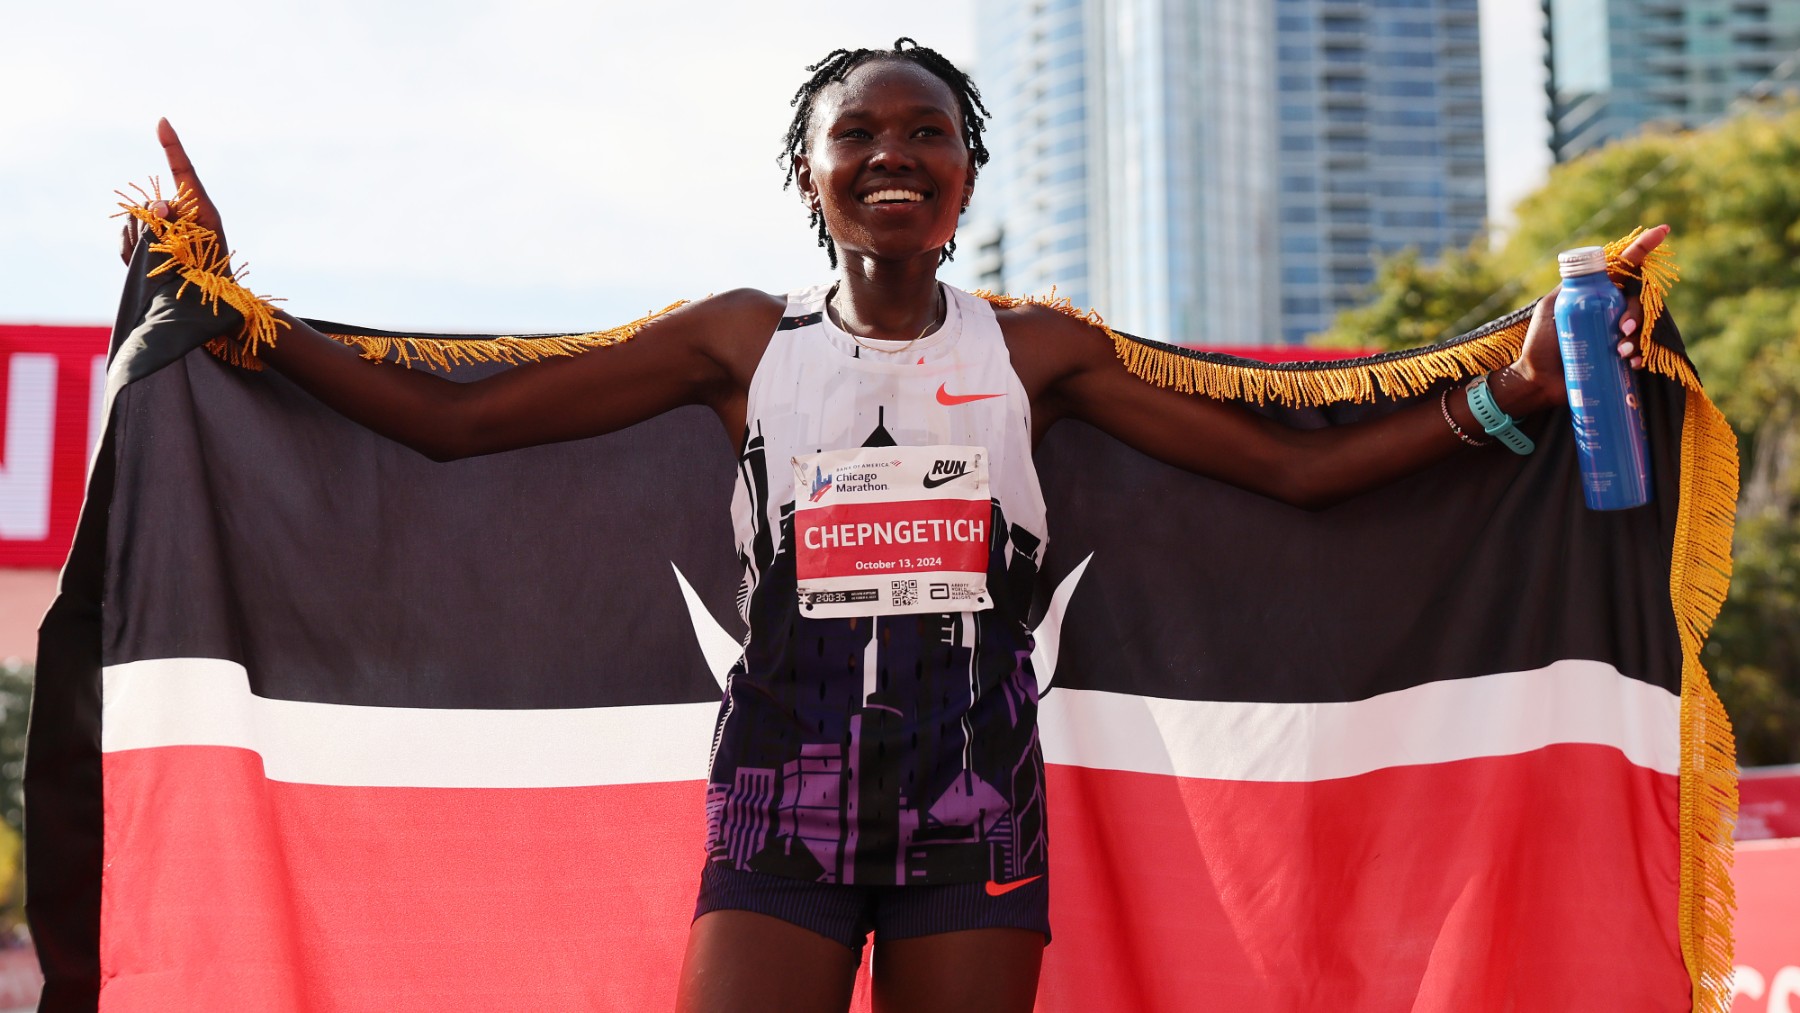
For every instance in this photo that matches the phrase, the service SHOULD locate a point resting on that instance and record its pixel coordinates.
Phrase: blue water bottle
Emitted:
(1609, 427)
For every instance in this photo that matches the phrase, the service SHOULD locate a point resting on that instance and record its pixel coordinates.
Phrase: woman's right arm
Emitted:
(669, 364)
(693, 355)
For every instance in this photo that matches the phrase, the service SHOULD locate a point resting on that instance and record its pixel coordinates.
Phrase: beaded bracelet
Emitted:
(1444, 406)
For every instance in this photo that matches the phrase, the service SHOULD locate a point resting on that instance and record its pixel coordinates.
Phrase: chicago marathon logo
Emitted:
(821, 484)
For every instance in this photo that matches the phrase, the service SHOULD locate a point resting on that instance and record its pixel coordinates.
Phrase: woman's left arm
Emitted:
(1068, 374)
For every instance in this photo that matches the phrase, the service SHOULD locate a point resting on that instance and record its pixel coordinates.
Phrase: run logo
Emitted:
(946, 471)
(821, 484)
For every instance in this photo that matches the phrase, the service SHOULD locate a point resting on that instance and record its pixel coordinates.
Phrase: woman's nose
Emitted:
(893, 154)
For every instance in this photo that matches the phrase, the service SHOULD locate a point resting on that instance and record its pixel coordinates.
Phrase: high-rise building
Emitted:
(1034, 75)
(1617, 65)
(1224, 171)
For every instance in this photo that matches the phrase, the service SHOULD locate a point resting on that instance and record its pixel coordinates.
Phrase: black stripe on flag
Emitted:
(1487, 562)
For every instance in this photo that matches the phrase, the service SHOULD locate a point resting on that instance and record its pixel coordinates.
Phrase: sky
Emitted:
(534, 165)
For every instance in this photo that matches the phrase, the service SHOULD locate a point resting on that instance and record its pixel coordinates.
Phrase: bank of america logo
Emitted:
(821, 484)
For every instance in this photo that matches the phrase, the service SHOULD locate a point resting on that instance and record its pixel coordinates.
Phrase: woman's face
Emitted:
(885, 161)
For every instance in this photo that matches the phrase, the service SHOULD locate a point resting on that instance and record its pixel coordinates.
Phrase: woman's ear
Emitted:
(803, 181)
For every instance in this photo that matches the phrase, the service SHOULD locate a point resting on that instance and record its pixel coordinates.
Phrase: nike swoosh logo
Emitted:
(933, 481)
(946, 398)
(996, 889)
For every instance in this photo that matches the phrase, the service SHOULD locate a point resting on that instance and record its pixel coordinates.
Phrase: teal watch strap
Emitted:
(1495, 422)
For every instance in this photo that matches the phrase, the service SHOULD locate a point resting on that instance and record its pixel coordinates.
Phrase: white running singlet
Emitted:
(881, 727)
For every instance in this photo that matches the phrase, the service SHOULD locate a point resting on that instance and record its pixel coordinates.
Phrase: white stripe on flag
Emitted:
(1437, 722)
(207, 702)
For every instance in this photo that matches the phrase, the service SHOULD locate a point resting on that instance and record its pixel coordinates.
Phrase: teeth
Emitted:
(893, 195)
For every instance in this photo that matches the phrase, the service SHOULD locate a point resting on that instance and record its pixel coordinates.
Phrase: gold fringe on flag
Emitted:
(1699, 577)
(196, 256)
(1228, 378)
(1700, 569)
(1658, 274)
(1393, 374)
(198, 259)
(443, 353)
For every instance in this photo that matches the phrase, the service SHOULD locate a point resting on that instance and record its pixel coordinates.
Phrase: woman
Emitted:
(878, 388)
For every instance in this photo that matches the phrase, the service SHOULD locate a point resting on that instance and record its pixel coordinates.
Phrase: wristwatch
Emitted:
(1495, 422)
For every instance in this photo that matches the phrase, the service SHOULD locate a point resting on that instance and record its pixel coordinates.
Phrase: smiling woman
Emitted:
(886, 423)
(963, 116)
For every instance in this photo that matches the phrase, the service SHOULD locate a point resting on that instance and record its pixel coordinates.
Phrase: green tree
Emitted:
(1731, 192)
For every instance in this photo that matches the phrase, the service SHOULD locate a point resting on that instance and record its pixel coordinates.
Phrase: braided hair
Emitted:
(836, 66)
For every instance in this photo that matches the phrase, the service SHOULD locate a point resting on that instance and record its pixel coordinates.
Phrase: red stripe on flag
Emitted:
(1541, 881)
(226, 892)
(1545, 880)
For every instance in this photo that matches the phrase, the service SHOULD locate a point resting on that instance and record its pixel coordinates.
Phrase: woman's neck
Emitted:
(887, 301)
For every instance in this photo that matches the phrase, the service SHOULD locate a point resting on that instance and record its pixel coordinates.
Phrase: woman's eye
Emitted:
(854, 132)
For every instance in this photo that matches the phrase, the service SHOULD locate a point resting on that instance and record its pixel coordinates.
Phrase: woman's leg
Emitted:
(743, 962)
(975, 970)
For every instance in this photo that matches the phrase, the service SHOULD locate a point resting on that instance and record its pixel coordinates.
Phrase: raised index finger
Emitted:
(179, 165)
(1643, 244)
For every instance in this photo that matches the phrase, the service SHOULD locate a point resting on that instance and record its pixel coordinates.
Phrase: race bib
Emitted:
(891, 530)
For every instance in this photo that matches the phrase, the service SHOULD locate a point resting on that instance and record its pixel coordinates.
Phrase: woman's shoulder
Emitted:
(1047, 326)
(730, 318)
(749, 307)
(731, 328)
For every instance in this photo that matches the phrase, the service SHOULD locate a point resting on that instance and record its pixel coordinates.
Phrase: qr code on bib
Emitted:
(906, 592)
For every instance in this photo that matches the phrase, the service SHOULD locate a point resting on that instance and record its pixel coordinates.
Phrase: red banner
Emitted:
(1767, 977)
(1767, 875)
(51, 381)
(1769, 803)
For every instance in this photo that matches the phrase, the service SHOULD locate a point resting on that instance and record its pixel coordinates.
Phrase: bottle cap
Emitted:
(1581, 260)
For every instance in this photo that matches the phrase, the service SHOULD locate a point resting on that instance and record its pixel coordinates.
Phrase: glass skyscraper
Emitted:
(1224, 171)
(1035, 78)
(1616, 65)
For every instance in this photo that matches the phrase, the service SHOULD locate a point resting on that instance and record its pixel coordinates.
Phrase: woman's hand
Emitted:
(1539, 366)
(185, 178)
